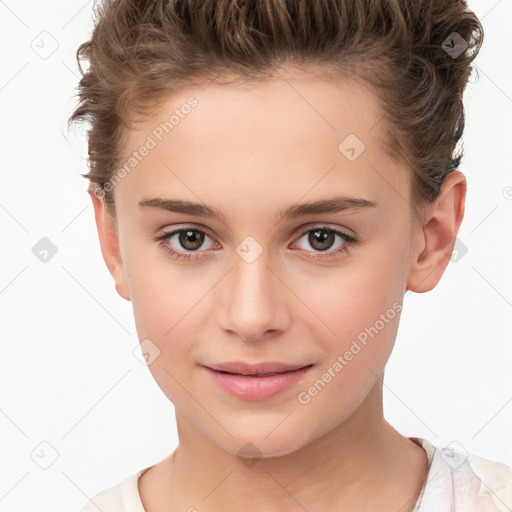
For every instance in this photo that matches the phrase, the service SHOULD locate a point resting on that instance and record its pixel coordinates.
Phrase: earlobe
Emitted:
(109, 243)
(435, 240)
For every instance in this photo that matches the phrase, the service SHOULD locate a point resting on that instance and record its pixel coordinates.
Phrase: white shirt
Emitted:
(455, 482)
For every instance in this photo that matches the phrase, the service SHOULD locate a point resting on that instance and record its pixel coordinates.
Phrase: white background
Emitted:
(68, 376)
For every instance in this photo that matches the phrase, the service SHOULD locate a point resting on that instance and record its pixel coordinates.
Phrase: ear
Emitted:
(109, 243)
(435, 239)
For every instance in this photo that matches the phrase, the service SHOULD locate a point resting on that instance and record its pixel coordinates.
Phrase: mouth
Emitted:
(258, 384)
(256, 374)
(256, 370)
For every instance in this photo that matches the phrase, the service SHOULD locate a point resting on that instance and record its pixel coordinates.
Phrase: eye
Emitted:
(322, 238)
(189, 240)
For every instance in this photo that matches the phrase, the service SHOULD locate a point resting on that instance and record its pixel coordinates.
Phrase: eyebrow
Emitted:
(323, 206)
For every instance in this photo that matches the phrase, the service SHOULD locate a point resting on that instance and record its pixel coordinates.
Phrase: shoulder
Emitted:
(496, 480)
(459, 481)
(122, 497)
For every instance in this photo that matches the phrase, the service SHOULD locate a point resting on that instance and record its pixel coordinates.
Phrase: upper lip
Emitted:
(255, 369)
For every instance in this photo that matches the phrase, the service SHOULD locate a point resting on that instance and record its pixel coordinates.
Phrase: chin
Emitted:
(258, 444)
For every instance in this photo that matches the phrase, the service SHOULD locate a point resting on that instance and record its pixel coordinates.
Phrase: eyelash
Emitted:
(349, 242)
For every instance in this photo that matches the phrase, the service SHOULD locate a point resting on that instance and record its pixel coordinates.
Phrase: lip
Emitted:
(256, 382)
(252, 369)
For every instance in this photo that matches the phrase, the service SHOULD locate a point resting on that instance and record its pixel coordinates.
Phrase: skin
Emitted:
(250, 152)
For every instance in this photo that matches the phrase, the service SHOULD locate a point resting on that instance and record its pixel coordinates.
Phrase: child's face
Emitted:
(251, 153)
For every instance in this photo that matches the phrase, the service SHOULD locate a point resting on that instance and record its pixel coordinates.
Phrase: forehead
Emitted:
(335, 105)
(294, 132)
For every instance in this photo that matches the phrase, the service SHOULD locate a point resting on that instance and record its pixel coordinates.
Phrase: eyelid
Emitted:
(168, 232)
(319, 225)
(349, 241)
(299, 231)
(172, 230)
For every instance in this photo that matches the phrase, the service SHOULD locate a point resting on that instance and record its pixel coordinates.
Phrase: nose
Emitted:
(253, 300)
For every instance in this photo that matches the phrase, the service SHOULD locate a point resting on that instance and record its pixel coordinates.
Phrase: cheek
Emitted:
(160, 291)
(352, 364)
(345, 301)
(168, 305)
(166, 316)
(169, 311)
(357, 316)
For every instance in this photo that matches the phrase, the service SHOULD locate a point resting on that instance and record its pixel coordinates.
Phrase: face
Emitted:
(320, 287)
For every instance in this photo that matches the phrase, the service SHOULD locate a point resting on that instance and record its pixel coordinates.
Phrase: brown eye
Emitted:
(321, 239)
(325, 242)
(191, 239)
(186, 243)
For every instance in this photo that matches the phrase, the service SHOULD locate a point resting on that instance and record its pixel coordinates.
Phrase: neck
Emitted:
(360, 461)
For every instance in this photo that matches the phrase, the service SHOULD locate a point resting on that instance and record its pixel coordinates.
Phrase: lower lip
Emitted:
(257, 388)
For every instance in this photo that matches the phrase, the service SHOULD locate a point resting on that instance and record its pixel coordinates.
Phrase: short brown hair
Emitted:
(415, 54)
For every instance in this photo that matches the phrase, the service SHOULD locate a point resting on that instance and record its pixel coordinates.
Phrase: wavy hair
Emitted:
(416, 56)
